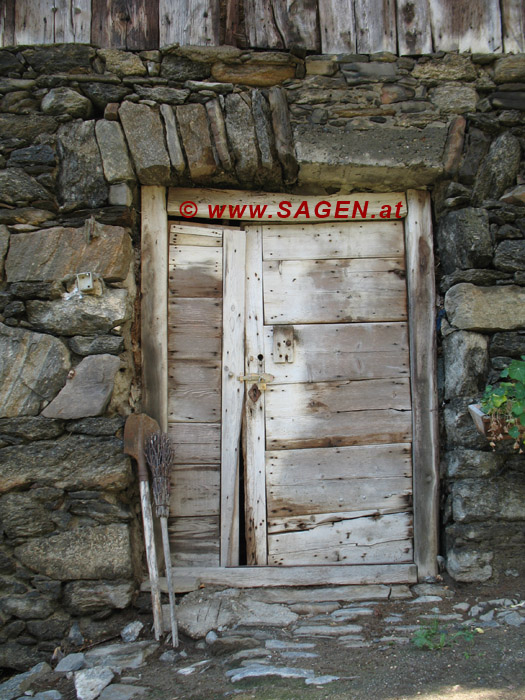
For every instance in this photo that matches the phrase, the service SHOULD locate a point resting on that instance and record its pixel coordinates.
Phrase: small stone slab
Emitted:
(42, 360)
(279, 644)
(121, 691)
(131, 632)
(88, 392)
(485, 308)
(89, 683)
(145, 137)
(18, 684)
(119, 656)
(80, 174)
(195, 135)
(259, 670)
(61, 252)
(71, 662)
(326, 630)
(45, 695)
(115, 155)
(423, 599)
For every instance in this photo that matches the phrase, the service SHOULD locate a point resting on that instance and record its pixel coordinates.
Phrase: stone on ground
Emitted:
(90, 682)
(71, 662)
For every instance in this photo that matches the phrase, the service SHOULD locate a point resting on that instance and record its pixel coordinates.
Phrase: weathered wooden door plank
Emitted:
(368, 540)
(122, 24)
(195, 329)
(189, 22)
(232, 391)
(375, 26)
(154, 309)
(195, 541)
(195, 271)
(195, 443)
(463, 25)
(414, 35)
(254, 414)
(187, 579)
(513, 21)
(195, 391)
(331, 352)
(283, 208)
(367, 239)
(282, 24)
(334, 291)
(421, 305)
(337, 25)
(311, 496)
(195, 490)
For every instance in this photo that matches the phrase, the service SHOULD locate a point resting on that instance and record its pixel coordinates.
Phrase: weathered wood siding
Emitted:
(324, 26)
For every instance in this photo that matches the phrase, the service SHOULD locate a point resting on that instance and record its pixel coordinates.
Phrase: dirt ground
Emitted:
(490, 666)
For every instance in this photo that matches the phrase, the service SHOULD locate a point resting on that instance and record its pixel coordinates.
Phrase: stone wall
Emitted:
(80, 129)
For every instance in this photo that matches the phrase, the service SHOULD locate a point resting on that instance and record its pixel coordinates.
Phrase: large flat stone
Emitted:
(120, 656)
(241, 135)
(270, 168)
(196, 140)
(450, 67)
(510, 69)
(17, 685)
(64, 58)
(398, 158)
(80, 315)
(145, 137)
(26, 127)
(18, 188)
(510, 256)
(88, 392)
(469, 565)
(478, 500)
(86, 598)
(29, 429)
(27, 514)
(90, 682)
(64, 100)
(80, 175)
(102, 552)
(507, 344)
(472, 464)
(59, 252)
(115, 155)
(254, 74)
(485, 308)
(466, 363)
(42, 361)
(464, 240)
(498, 169)
(122, 63)
(77, 463)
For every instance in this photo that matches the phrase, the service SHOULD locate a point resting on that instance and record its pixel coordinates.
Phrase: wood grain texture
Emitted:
(308, 497)
(368, 239)
(369, 540)
(513, 21)
(191, 578)
(189, 22)
(205, 198)
(337, 24)
(330, 352)
(334, 291)
(232, 391)
(422, 304)
(121, 24)
(280, 24)
(72, 21)
(7, 23)
(194, 391)
(375, 26)
(462, 25)
(292, 523)
(414, 34)
(194, 329)
(154, 307)
(334, 414)
(151, 556)
(254, 411)
(195, 443)
(194, 541)
(195, 271)
(34, 22)
(195, 490)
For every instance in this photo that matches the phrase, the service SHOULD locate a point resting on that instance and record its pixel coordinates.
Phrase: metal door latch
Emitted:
(260, 379)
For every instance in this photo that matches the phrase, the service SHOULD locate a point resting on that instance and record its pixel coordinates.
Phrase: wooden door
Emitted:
(328, 462)
(344, 433)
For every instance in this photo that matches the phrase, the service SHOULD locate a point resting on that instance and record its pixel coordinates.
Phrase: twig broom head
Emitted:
(159, 455)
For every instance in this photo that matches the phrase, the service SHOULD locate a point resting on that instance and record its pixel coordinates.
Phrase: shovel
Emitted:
(138, 427)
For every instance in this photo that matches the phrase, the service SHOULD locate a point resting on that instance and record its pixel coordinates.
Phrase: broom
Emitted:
(159, 455)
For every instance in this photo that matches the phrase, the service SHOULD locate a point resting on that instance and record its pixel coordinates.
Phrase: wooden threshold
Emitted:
(191, 578)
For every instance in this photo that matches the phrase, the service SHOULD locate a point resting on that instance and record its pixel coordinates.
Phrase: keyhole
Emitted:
(260, 357)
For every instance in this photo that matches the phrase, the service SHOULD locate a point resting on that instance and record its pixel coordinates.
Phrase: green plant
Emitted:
(431, 637)
(505, 404)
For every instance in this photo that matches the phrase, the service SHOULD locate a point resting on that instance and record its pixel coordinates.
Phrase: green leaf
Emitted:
(514, 431)
(522, 419)
(517, 409)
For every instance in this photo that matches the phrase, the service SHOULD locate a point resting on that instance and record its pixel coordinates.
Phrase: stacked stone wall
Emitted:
(80, 130)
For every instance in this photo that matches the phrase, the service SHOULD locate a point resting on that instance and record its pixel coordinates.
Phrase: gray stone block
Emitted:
(145, 137)
(486, 308)
(466, 363)
(464, 240)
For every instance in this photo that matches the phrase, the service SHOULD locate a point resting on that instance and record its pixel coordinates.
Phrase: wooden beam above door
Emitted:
(284, 208)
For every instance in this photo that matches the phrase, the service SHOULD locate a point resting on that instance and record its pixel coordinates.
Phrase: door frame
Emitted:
(157, 204)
